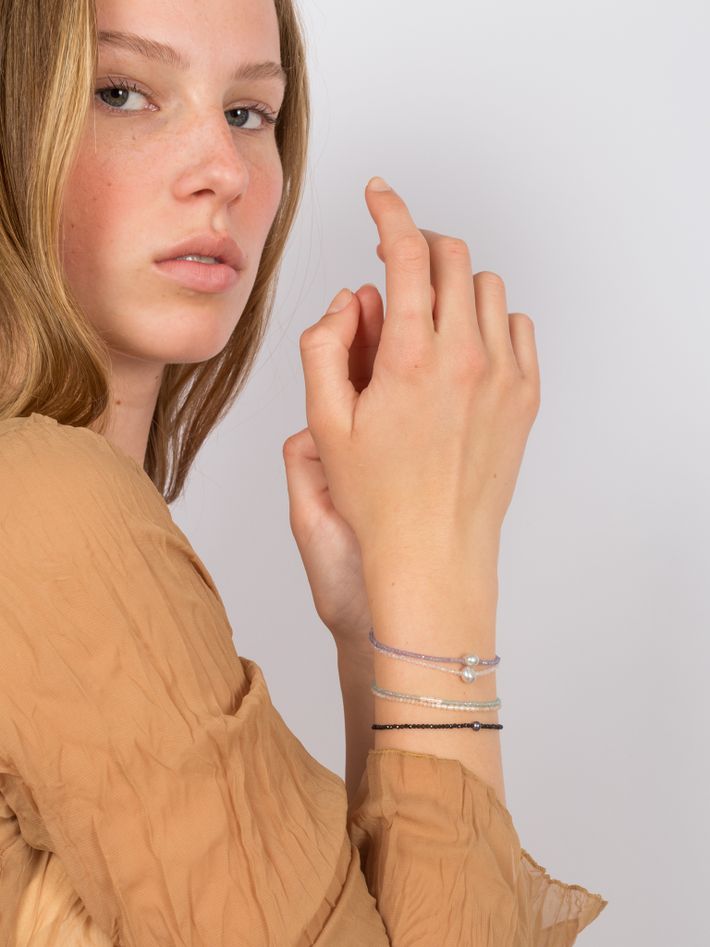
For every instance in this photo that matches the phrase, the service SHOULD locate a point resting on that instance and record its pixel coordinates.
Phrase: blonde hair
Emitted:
(52, 360)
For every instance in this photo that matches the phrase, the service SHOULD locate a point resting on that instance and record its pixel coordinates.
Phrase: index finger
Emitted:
(405, 253)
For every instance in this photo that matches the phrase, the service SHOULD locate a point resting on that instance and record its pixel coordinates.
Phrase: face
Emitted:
(177, 152)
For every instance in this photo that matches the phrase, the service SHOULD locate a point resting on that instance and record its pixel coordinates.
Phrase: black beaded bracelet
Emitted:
(476, 725)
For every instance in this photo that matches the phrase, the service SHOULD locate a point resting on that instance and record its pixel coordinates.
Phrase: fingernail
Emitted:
(340, 301)
(378, 184)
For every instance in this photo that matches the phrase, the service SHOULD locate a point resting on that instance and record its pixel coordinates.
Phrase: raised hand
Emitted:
(429, 451)
(326, 543)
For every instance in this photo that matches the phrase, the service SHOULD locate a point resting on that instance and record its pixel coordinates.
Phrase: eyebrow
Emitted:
(161, 52)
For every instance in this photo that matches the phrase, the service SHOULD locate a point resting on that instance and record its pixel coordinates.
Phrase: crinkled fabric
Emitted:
(150, 792)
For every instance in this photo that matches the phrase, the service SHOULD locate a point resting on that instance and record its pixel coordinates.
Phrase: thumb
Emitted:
(305, 481)
(325, 351)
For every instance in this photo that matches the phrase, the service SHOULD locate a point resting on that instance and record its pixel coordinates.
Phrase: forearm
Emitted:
(356, 672)
(441, 605)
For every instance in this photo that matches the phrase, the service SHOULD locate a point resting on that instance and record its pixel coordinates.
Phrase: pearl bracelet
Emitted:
(467, 674)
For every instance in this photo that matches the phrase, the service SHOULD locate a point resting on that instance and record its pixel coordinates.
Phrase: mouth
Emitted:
(206, 275)
(209, 248)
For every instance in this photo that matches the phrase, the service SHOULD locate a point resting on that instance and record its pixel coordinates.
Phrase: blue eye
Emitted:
(120, 89)
(268, 116)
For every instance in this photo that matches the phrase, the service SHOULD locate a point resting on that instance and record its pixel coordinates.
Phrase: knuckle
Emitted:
(470, 363)
(410, 248)
(453, 247)
(311, 336)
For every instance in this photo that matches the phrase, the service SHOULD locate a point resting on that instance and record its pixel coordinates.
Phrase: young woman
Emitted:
(152, 162)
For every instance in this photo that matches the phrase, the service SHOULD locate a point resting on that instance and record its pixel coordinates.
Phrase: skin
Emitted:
(164, 164)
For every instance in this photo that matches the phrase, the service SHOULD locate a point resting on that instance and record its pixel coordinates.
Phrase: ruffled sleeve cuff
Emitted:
(443, 860)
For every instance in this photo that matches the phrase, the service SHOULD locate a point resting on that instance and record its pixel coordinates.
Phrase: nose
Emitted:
(211, 162)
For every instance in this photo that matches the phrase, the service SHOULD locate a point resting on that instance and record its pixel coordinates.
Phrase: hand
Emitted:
(327, 545)
(429, 451)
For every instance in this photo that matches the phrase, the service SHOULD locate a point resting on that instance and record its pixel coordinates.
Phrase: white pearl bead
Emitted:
(471, 658)
(468, 675)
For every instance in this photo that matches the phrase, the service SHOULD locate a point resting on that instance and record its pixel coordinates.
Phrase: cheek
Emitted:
(266, 188)
(101, 209)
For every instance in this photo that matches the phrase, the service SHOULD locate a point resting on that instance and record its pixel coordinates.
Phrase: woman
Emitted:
(150, 792)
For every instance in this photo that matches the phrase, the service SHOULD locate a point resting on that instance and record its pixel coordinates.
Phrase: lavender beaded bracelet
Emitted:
(467, 674)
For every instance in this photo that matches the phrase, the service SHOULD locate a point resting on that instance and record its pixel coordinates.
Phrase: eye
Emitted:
(114, 96)
(118, 91)
(267, 117)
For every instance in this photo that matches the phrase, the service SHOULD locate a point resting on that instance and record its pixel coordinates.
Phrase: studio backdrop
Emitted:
(567, 143)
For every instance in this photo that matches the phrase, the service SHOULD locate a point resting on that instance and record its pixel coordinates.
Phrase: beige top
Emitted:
(150, 792)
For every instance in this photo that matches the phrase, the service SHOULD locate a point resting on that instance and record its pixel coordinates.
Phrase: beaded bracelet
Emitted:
(470, 661)
(475, 725)
(436, 701)
(467, 674)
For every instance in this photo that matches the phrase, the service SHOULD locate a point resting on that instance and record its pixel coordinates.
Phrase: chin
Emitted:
(184, 338)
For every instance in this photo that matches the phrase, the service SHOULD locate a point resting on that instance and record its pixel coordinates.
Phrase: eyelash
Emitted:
(269, 117)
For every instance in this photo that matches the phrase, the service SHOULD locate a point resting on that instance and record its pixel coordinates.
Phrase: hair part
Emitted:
(54, 362)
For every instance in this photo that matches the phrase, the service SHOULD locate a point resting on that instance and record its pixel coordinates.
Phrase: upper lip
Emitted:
(220, 246)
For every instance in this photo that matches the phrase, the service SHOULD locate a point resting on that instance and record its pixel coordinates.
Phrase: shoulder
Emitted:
(33, 441)
(56, 475)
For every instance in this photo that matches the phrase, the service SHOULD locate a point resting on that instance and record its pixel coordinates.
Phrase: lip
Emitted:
(207, 243)
(203, 277)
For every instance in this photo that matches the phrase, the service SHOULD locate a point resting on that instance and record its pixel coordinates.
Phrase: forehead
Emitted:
(206, 31)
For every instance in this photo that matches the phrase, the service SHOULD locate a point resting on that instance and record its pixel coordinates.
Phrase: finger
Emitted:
(522, 336)
(408, 278)
(305, 477)
(325, 353)
(367, 338)
(380, 254)
(366, 343)
(455, 314)
(492, 312)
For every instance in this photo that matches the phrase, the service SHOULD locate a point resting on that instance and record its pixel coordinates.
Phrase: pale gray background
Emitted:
(567, 143)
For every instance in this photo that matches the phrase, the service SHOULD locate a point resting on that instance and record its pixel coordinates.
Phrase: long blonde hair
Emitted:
(52, 360)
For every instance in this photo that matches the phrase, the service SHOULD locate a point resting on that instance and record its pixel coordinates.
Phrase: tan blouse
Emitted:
(150, 792)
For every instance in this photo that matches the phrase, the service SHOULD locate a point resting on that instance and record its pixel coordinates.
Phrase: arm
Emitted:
(136, 747)
(437, 844)
(443, 605)
(358, 668)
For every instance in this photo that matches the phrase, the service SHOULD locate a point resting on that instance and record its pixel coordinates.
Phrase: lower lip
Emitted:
(204, 277)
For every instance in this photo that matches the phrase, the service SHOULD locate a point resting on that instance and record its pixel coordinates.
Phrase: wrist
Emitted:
(393, 556)
(355, 660)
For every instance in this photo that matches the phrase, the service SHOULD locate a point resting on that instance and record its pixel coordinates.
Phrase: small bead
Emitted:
(471, 659)
(477, 725)
(468, 675)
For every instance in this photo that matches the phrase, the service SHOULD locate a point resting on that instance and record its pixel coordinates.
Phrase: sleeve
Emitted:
(443, 860)
(136, 746)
